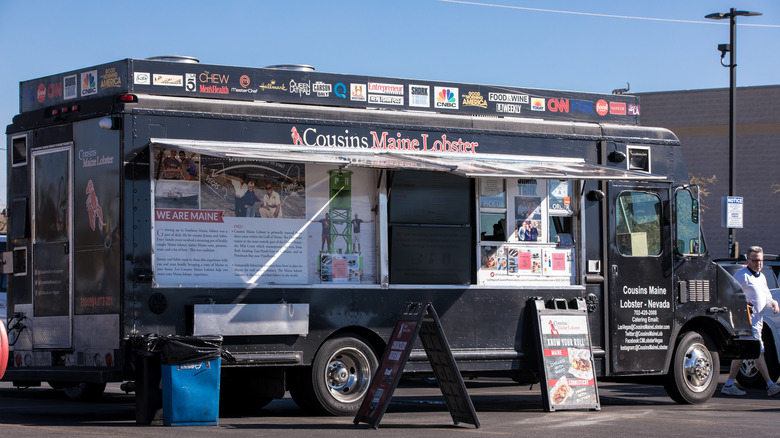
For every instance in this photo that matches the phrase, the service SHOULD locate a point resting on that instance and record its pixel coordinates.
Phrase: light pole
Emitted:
(732, 48)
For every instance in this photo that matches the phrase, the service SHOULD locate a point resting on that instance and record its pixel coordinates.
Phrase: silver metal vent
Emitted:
(695, 290)
(293, 67)
(175, 58)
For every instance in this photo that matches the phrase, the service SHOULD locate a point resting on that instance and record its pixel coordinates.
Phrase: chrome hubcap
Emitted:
(697, 367)
(348, 375)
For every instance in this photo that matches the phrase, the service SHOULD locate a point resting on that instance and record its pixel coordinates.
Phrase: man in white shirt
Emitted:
(272, 203)
(757, 293)
(240, 186)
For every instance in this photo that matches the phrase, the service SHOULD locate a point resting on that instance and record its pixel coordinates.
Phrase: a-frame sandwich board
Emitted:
(417, 319)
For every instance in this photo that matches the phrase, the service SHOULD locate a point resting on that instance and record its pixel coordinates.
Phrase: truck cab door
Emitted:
(51, 258)
(640, 277)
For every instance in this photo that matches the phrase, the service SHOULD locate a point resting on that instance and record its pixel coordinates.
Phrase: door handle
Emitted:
(614, 270)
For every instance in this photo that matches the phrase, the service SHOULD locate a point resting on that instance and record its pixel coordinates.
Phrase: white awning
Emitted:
(468, 165)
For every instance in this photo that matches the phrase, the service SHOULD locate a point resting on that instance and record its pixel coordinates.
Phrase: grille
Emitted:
(695, 290)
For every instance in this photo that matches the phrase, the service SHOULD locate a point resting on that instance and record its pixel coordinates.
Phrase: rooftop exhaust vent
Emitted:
(175, 58)
(292, 67)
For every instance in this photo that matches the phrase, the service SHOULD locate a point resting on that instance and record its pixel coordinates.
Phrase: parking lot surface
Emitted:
(503, 409)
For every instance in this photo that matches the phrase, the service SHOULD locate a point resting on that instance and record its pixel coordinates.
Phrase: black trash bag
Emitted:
(178, 350)
(145, 345)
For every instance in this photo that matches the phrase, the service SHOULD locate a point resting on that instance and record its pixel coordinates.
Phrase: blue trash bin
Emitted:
(191, 394)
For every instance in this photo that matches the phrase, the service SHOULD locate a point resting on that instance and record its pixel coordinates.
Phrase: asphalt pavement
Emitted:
(502, 407)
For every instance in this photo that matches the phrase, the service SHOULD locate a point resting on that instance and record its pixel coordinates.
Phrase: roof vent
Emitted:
(292, 67)
(175, 58)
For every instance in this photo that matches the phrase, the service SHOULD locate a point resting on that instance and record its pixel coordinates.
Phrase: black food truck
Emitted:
(294, 213)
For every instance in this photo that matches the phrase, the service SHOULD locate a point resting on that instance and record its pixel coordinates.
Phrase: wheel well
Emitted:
(715, 332)
(771, 330)
(373, 339)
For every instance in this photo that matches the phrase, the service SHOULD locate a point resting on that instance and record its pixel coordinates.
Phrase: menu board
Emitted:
(569, 380)
(417, 319)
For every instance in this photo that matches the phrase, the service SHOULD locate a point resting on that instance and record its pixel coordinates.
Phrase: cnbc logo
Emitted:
(446, 97)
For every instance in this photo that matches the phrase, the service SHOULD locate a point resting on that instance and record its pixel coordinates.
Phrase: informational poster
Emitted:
(340, 268)
(528, 218)
(226, 222)
(513, 263)
(557, 262)
(559, 200)
(492, 193)
(341, 226)
(569, 378)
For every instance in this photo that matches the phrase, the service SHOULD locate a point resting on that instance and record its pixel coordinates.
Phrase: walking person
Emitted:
(757, 293)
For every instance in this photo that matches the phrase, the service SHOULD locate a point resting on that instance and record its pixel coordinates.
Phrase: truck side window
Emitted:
(492, 208)
(688, 236)
(638, 224)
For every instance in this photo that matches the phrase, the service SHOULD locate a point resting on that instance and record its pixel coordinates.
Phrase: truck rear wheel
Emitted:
(338, 379)
(240, 392)
(693, 374)
(85, 392)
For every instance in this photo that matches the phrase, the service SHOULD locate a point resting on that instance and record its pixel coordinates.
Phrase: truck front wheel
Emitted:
(693, 373)
(338, 379)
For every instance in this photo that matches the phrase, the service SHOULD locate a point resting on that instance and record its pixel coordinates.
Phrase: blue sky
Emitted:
(594, 46)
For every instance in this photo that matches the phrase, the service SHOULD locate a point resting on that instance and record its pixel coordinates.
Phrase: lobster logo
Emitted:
(553, 330)
(93, 207)
(297, 140)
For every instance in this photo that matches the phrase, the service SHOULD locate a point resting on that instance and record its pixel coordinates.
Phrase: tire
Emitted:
(240, 393)
(242, 405)
(748, 373)
(338, 379)
(56, 385)
(300, 387)
(770, 355)
(85, 392)
(694, 371)
(749, 376)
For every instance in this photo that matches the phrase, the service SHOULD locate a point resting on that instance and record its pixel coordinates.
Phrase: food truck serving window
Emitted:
(235, 213)
(525, 231)
(430, 228)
